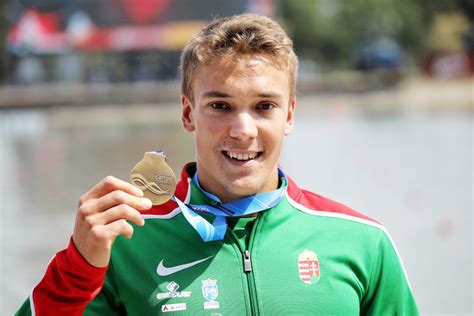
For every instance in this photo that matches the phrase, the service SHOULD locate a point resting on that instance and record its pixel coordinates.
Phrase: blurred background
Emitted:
(384, 119)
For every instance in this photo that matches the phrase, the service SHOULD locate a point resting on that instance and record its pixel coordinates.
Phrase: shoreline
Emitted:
(412, 94)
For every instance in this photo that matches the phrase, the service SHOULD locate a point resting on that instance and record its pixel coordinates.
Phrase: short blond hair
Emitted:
(246, 34)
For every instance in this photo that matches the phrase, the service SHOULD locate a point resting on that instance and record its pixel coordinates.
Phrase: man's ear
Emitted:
(187, 114)
(290, 118)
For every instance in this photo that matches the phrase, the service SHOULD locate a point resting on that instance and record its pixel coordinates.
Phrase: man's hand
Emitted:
(102, 215)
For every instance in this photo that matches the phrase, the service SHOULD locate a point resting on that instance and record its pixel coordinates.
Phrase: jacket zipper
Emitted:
(247, 267)
(250, 281)
(247, 261)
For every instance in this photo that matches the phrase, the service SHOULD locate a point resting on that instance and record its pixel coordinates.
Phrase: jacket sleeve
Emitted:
(389, 292)
(69, 283)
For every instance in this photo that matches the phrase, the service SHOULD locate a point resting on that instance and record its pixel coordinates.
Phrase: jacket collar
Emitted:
(183, 192)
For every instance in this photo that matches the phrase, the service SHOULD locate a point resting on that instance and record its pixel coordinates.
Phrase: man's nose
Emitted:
(243, 126)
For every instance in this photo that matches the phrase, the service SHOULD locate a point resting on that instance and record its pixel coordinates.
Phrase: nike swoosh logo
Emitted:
(161, 270)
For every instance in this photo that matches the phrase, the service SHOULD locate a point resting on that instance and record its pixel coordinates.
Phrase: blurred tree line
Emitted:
(329, 31)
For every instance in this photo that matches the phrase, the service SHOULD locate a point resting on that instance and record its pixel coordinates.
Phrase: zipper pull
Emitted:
(247, 262)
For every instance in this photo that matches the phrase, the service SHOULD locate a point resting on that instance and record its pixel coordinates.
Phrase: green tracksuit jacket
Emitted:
(306, 256)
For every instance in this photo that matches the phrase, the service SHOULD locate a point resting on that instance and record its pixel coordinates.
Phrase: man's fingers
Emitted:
(107, 185)
(113, 199)
(120, 197)
(106, 234)
(120, 227)
(117, 213)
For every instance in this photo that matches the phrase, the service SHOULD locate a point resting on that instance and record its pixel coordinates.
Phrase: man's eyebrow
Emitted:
(220, 94)
(270, 95)
(216, 94)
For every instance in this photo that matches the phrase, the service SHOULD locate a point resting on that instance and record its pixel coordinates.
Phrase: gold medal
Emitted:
(154, 177)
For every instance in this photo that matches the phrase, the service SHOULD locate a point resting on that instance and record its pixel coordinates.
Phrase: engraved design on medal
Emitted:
(154, 177)
(140, 182)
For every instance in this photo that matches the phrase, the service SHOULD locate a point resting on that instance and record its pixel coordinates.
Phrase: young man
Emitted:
(240, 237)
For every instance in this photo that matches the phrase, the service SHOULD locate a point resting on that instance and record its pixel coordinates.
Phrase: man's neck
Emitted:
(227, 196)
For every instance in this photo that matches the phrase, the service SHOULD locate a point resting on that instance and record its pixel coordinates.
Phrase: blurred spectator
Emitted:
(450, 47)
(382, 53)
(30, 71)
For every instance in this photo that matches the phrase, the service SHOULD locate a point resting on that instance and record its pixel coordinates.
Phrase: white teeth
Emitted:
(241, 156)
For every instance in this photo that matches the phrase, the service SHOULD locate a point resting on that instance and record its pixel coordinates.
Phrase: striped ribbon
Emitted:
(248, 205)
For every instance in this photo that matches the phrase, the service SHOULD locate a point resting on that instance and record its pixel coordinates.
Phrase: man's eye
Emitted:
(219, 106)
(265, 106)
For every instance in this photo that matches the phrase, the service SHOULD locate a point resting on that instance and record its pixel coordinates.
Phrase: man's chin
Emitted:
(244, 188)
(244, 192)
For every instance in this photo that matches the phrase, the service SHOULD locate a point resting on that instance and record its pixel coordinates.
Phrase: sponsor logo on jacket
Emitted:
(173, 307)
(173, 292)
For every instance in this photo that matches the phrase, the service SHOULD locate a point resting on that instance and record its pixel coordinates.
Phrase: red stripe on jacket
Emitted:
(320, 203)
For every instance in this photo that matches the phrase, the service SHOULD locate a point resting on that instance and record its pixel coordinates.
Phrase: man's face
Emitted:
(240, 115)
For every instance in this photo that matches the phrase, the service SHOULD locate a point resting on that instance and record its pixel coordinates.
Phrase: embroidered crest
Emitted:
(308, 267)
(210, 292)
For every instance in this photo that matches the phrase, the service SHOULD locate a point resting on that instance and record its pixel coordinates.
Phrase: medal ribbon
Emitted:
(248, 205)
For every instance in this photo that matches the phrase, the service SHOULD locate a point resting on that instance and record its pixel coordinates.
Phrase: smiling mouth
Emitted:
(242, 157)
